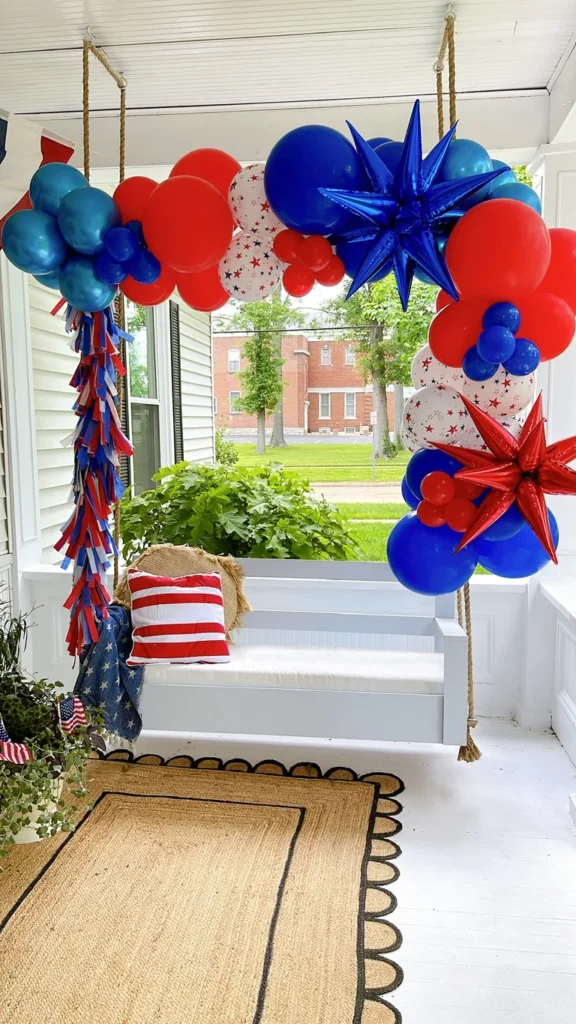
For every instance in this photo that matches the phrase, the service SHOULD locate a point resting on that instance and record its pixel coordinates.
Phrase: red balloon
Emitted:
(500, 250)
(132, 195)
(213, 165)
(430, 515)
(204, 291)
(455, 329)
(560, 277)
(460, 514)
(188, 224)
(548, 321)
(150, 294)
(298, 280)
(332, 273)
(316, 252)
(443, 299)
(438, 488)
(286, 245)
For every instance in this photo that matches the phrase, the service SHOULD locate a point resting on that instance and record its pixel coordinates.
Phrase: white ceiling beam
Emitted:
(562, 89)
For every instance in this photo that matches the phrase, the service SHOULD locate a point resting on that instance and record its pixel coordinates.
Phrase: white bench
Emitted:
(331, 650)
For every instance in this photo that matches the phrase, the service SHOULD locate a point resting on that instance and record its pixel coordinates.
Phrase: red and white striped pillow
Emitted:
(177, 620)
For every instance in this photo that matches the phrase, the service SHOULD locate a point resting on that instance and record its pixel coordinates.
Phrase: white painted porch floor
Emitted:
(487, 890)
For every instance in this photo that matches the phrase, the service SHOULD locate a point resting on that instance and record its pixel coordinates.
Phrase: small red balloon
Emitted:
(188, 224)
(460, 513)
(150, 294)
(131, 196)
(443, 299)
(464, 489)
(204, 291)
(455, 329)
(560, 277)
(298, 280)
(438, 488)
(286, 245)
(430, 515)
(332, 273)
(548, 321)
(315, 251)
(213, 165)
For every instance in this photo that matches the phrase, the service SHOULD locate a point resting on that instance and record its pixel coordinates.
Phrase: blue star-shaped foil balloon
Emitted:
(400, 211)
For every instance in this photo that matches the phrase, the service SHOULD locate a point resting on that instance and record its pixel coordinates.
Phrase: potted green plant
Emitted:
(42, 756)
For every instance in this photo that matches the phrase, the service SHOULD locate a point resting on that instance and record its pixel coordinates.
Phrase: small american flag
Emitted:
(72, 713)
(16, 753)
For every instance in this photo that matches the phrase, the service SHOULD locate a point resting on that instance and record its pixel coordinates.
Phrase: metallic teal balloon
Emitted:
(464, 158)
(82, 288)
(519, 191)
(33, 243)
(51, 183)
(49, 280)
(85, 217)
(507, 175)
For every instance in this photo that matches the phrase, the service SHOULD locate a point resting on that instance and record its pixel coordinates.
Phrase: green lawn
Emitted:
(372, 538)
(373, 510)
(328, 463)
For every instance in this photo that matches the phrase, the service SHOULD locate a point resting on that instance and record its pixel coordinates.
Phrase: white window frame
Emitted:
(234, 412)
(326, 351)
(232, 367)
(352, 395)
(350, 358)
(322, 416)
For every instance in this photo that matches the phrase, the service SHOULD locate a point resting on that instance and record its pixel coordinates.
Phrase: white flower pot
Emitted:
(29, 833)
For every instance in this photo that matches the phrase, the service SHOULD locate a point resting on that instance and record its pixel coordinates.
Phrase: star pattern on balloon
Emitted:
(516, 471)
(401, 209)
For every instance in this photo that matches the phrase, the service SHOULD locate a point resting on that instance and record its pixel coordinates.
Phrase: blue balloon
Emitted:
(378, 141)
(507, 526)
(428, 460)
(33, 243)
(423, 558)
(409, 497)
(302, 161)
(82, 288)
(496, 344)
(477, 368)
(519, 191)
(502, 314)
(121, 244)
(520, 555)
(525, 358)
(464, 159)
(109, 270)
(85, 217)
(51, 183)
(390, 153)
(352, 254)
(145, 267)
(49, 280)
(507, 173)
(135, 226)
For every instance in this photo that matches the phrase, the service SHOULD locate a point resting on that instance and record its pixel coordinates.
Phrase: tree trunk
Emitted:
(261, 432)
(381, 429)
(398, 412)
(278, 440)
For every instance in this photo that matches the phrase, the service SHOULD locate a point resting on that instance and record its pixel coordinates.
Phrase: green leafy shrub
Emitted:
(265, 512)
(226, 451)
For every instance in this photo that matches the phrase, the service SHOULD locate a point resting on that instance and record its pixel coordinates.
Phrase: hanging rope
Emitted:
(447, 45)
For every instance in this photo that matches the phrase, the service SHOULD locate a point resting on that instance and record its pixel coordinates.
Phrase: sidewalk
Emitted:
(360, 492)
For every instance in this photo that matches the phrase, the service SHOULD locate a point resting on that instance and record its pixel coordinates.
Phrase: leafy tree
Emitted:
(522, 175)
(136, 323)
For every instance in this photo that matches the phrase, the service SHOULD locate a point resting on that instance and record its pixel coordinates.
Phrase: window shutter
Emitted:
(176, 381)
(124, 390)
(4, 542)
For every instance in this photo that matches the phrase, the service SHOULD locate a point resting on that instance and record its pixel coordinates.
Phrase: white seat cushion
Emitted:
(313, 668)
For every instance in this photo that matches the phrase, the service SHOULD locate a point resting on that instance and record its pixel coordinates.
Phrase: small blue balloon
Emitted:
(428, 460)
(51, 183)
(121, 244)
(85, 217)
(423, 558)
(507, 174)
(144, 267)
(390, 153)
(135, 226)
(520, 555)
(378, 141)
(464, 158)
(408, 495)
(33, 243)
(49, 280)
(507, 526)
(352, 254)
(477, 368)
(81, 286)
(524, 360)
(502, 314)
(496, 344)
(109, 270)
(519, 191)
(302, 161)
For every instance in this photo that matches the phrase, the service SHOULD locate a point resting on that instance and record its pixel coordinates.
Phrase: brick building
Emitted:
(324, 389)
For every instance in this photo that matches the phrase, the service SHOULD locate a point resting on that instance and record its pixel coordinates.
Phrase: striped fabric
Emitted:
(177, 620)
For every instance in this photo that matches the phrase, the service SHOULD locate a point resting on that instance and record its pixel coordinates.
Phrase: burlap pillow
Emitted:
(173, 560)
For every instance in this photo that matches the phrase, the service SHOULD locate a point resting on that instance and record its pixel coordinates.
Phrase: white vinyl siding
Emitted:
(197, 385)
(53, 364)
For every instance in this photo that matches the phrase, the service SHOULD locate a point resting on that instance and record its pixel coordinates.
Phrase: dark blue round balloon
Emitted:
(496, 344)
(502, 314)
(121, 244)
(390, 153)
(520, 555)
(423, 558)
(352, 254)
(85, 217)
(110, 270)
(507, 174)
(507, 526)
(428, 460)
(409, 497)
(378, 140)
(525, 359)
(49, 280)
(303, 161)
(477, 368)
(464, 158)
(519, 191)
(144, 267)
(33, 243)
(81, 286)
(51, 183)
(135, 226)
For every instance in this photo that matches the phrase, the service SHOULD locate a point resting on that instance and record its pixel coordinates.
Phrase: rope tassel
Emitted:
(470, 751)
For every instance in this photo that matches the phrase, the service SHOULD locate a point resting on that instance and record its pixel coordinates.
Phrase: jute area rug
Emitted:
(202, 896)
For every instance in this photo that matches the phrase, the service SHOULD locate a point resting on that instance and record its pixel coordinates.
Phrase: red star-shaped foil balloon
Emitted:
(520, 471)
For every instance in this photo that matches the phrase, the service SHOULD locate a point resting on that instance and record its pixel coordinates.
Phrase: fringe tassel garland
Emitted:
(99, 441)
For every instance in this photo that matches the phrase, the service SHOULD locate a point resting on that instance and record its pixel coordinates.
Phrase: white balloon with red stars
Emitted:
(435, 413)
(408, 438)
(503, 395)
(249, 203)
(426, 369)
(250, 270)
(472, 439)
